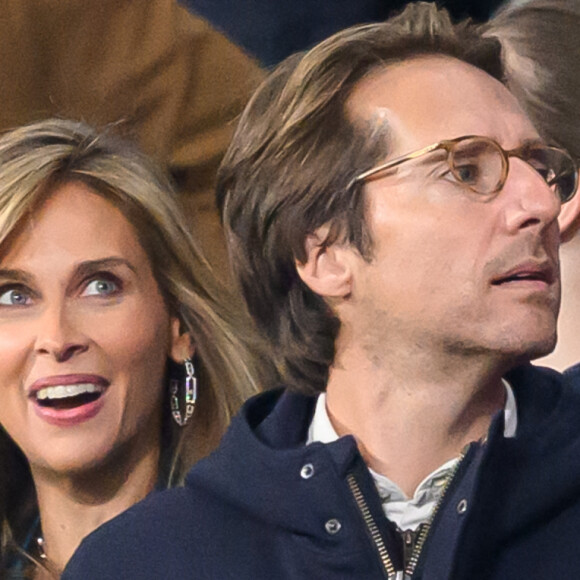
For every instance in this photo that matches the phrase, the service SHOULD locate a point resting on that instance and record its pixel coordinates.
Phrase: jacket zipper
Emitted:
(414, 559)
(410, 538)
(377, 538)
(372, 527)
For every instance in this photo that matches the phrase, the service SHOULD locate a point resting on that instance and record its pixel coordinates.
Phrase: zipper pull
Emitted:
(409, 539)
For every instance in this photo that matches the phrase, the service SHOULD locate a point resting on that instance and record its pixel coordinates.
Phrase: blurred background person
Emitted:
(112, 333)
(541, 49)
(272, 30)
(171, 81)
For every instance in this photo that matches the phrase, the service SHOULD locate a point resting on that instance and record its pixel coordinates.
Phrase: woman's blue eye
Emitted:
(101, 287)
(14, 297)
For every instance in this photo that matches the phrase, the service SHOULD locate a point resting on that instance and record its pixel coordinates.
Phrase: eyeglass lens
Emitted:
(556, 168)
(482, 166)
(479, 164)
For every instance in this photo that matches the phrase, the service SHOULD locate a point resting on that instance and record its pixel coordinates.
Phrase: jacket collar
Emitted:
(259, 462)
(527, 481)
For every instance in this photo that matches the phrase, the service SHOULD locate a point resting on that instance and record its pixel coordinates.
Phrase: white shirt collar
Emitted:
(407, 513)
(321, 428)
(510, 412)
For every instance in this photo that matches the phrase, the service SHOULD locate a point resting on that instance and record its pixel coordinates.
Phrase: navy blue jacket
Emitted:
(253, 511)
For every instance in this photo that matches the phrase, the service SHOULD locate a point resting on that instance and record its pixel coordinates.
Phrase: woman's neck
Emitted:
(72, 506)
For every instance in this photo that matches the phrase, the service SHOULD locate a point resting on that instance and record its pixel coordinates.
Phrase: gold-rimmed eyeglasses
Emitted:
(482, 165)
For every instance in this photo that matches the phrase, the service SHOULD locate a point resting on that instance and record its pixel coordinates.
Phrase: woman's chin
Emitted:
(71, 458)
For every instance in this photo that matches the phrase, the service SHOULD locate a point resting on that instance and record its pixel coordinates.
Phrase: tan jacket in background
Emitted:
(173, 82)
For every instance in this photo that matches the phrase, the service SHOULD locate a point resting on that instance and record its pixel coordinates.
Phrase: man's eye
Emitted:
(547, 173)
(102, 287)
(468, 174)
(14, 297)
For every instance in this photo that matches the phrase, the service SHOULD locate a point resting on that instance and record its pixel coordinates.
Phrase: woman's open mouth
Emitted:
(69, 396)
(68, 399)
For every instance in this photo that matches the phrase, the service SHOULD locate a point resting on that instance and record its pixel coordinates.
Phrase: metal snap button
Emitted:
(307, 471)
(333, 526)
(462, 506)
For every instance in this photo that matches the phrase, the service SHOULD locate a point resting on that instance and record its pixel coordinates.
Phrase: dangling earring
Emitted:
(190, 395)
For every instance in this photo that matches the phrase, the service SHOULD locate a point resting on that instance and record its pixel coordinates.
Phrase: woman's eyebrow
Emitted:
(84, 268)
(90, 266)
(15, 275)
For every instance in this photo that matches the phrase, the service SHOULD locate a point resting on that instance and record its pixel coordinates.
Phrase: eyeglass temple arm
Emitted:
(394, 162)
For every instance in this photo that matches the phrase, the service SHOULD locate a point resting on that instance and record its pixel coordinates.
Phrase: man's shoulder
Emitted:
(142, 539)
(572, 374)
(173, 532)
(548, 407)
(544, 388)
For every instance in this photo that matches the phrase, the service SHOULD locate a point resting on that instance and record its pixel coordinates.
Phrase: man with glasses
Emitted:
(392, 220)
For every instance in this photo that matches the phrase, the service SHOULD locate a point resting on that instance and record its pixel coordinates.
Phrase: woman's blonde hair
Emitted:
(33, 161)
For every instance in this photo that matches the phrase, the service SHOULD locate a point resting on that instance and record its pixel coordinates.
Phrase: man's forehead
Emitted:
(429, 98)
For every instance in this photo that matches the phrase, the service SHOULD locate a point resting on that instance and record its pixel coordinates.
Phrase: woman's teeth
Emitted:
(65, 391)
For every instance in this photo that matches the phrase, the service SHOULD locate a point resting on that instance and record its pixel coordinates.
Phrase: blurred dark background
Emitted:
(270, 30)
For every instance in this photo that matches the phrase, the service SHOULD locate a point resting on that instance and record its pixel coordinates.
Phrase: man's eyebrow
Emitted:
(91, 266)
(536, 141)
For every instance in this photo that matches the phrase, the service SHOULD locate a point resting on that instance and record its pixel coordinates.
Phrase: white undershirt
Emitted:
(406, 513)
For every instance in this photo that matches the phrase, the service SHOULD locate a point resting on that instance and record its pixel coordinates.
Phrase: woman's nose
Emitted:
(58, 336)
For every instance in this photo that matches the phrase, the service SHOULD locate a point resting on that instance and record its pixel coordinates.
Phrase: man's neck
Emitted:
(409, 423)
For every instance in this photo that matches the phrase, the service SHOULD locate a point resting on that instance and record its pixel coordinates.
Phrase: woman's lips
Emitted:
(67, 400)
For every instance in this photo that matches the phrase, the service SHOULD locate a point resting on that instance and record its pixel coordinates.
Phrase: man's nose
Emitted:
(530, 201)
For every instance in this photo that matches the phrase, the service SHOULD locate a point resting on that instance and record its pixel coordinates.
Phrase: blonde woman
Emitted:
(119, 363)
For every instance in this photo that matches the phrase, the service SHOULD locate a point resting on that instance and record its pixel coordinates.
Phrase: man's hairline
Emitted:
(368, 127)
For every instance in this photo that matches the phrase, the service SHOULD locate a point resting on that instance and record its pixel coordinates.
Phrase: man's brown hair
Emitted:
(288, 169)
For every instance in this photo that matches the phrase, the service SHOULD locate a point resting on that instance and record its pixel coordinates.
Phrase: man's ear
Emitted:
(568, 218)
(181, 346)
(327, 270)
